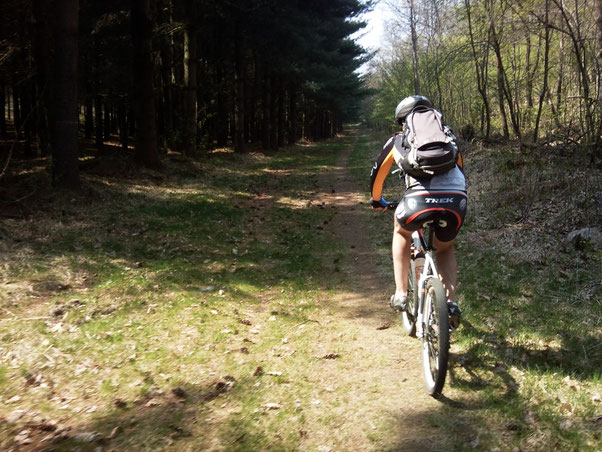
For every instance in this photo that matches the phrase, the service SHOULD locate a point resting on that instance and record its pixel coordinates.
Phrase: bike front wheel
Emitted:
(435, 337)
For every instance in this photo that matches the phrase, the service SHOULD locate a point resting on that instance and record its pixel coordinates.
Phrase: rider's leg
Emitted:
(447, 266)
(401, 256)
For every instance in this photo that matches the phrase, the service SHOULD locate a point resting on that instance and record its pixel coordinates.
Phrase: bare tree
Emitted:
(481, 59)
(407, 16)
(504, 89)
(546, 65)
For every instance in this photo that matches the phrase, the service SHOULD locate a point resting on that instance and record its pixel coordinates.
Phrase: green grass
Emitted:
(111, 300)
(171, 287)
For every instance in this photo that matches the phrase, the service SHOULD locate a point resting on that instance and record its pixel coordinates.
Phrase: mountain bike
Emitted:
(426, 313)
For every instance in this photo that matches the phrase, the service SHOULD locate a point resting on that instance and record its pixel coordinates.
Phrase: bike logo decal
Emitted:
(463, 204)
(412, 203)
(439, 200)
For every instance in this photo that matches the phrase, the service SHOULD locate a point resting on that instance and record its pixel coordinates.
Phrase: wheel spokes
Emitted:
(432, 338)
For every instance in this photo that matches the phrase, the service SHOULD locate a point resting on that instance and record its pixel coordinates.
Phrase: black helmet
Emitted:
(408, 104)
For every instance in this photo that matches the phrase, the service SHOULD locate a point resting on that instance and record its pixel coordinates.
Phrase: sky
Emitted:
(371, 37)
(373, 33)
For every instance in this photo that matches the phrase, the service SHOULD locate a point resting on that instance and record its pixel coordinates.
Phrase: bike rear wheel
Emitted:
(435, 339)
(408, 315)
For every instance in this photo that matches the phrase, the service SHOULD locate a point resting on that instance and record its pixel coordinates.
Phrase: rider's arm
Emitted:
(380, 170)
(460, 161)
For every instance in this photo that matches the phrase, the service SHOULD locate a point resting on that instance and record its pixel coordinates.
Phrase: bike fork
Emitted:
(419, 329)
(421, 299)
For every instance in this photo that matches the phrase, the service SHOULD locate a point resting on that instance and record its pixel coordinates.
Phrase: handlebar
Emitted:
(382, 204)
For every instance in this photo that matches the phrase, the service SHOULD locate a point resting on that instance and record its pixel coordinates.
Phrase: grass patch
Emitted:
(190, 285)
(196, 309)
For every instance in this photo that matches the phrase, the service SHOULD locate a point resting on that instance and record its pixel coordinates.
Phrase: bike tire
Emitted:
(408, 315)
(435, 338)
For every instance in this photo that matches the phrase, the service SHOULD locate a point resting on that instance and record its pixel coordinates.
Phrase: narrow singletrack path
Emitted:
(388, 403)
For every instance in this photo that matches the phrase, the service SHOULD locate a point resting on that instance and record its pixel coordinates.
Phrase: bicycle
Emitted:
(426, 313)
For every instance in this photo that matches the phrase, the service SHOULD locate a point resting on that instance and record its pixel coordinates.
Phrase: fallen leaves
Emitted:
(23, 437)
(87, 437)
(179, 392)
(330, 356)
(572, 384)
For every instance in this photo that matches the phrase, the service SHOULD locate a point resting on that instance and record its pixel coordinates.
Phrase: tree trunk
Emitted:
(107, 119)
(267, 103)
(528, 73)
(99, 136)
(88, 118)
(221, 126)
(273, 112)
(573, 25)
(122, 120)
(167, 76)
(16, 110)
(292, 114)
(560, 78)
(65, 171)
(41, 44)
(29, 118)
(189, 120)
(599, 21)
(146, 147)
(281, 112)
(546, 63)
(414, 37)
(3, 132)
(598, 143)
(503, 85)
(481, 73)
(239, 129)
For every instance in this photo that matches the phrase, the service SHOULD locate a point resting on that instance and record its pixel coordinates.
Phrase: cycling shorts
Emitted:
(446, 207)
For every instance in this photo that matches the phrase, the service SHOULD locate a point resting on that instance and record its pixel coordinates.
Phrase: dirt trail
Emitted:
(384, 368)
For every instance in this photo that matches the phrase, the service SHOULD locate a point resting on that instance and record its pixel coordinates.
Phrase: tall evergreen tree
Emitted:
(146, 148)
(65, 171)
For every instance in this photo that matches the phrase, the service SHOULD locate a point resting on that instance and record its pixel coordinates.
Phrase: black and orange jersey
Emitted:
(392, 153)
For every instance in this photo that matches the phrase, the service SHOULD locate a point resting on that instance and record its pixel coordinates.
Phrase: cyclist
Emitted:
(441, 198)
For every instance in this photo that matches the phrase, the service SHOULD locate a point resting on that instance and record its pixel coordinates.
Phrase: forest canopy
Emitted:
(147, 76)
(522, 70)
(186, 75)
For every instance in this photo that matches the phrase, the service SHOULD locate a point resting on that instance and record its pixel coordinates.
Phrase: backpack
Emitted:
(427, 147)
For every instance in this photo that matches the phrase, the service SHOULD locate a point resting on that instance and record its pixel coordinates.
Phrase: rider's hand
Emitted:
(381, 204)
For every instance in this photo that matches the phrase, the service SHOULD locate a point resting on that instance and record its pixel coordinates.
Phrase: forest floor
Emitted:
(239, 302)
